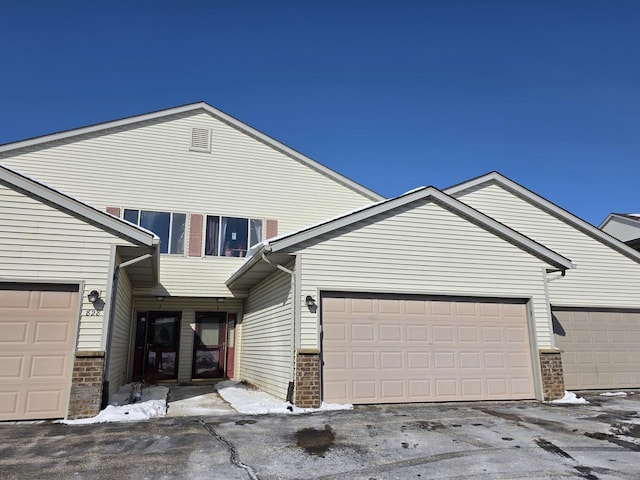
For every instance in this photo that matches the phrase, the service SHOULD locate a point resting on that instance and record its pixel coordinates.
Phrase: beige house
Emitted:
(596, 307)
(255, 272)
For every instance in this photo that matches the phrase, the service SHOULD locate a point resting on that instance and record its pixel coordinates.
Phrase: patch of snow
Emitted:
(569, 398)
(613, 394)
(152, 403)
(254, 402)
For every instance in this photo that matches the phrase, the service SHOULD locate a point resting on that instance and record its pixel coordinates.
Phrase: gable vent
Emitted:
(201, 139)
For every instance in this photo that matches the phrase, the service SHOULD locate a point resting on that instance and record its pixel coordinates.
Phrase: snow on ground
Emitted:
(569, 398)
(613, 394)
(152, 403)
(254, 402)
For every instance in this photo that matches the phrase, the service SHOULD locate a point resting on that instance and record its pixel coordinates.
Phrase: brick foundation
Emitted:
(307, 387)
(86, 385)
(552, 374)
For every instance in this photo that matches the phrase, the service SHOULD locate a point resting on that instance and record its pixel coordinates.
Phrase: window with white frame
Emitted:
(168, 226)
(231, 236)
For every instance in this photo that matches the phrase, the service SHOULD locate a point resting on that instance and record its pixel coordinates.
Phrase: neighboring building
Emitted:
(256, 273)
(596, 307)
(623, 226)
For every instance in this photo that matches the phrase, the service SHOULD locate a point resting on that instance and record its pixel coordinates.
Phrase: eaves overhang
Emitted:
(193, 107)
(545, 204)
(285, 244)
(76, 208)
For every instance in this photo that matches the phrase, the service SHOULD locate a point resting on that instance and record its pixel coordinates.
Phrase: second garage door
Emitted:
(600, 348)
(37, 334)
(386, 349)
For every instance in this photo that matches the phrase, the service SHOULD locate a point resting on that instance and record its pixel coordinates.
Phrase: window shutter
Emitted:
(195, 234)
(272, 228)
(115, 211)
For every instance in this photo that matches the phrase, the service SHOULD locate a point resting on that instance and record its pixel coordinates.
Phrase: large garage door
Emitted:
(404, 349)
(600, 348)
(37, 333)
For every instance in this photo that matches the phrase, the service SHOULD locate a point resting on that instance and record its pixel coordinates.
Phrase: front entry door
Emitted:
(209, 345)
(156, 353)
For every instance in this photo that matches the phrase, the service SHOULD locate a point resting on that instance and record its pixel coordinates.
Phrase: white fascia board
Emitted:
(99, 127)
(88, 213)
(272, 142)
(439, 197)
(559, 212)
(226, 118)
(627, 219)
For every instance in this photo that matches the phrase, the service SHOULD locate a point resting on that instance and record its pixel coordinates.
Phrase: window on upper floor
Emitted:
(231, 236)
(166, 225)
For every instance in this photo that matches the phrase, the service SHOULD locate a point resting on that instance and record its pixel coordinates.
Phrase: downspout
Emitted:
(293, 328)
(112, 316)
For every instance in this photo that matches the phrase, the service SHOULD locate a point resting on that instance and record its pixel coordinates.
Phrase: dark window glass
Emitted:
(177, 233)
(158, 223)
(234, 236)
(131, 216)
(212, 233)
(256, 232)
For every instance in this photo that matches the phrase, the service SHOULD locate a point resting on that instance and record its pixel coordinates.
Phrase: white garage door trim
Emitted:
(38, 332)
(600, 347)
(379, 348)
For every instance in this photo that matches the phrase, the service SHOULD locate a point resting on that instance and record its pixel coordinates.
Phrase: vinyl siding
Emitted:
(188, 307)
(423, 250)
(39, 242)
(603, 277)
(189, 277)
(150, 166)
(267, 335)
(121, 337)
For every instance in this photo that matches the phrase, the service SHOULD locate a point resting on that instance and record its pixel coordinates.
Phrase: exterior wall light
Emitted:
(160, 298)
(93, 296)
(310, 302)
(220, 299)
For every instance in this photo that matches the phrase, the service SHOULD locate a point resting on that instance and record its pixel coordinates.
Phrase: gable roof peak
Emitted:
(544, 204)
(214, 112)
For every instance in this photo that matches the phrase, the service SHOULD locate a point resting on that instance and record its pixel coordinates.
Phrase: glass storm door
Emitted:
(163, 330)
(209, 345)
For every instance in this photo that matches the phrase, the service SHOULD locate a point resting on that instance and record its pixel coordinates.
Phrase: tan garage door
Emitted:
(37, 334)
(404, 349)
(601, 348)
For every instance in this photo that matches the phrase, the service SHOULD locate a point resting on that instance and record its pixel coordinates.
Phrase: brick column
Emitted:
(307, 387)
(86, 385)
(552, 374)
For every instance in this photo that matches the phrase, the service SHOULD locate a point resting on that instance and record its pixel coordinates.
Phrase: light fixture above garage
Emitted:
(93, 296)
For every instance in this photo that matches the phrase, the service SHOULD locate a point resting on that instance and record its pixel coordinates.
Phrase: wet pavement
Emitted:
(481, 440)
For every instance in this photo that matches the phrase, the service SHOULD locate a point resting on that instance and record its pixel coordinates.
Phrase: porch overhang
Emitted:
(256, 269)
(144, 272)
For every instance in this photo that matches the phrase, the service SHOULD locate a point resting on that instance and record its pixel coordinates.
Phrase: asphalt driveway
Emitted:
(484, 440)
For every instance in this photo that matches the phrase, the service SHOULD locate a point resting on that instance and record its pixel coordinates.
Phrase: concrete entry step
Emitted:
(196, 400)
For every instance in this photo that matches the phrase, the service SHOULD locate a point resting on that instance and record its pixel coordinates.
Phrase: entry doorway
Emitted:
(209, 345)
(156, 347)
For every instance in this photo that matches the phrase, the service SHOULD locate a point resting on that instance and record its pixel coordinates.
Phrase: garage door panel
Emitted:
(600, 348)
(423, 357)
(13, 332)
(36, 343)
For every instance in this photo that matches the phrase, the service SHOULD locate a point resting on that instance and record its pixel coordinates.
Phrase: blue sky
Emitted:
(394, 94)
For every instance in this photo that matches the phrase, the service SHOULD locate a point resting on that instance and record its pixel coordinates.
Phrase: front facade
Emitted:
(596, 307)
(431, 296)
(210, 187)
